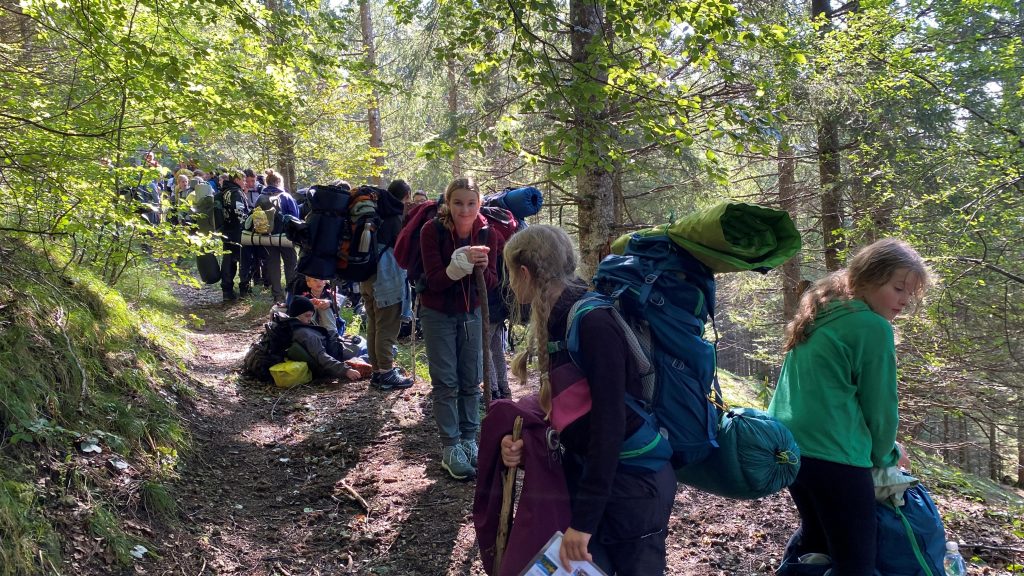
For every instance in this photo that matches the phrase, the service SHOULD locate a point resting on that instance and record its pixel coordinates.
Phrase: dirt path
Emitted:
(344, 479)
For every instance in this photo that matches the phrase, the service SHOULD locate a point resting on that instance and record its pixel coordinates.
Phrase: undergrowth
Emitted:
(89, 376)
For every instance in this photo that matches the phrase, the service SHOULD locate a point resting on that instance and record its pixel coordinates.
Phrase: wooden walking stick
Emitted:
(504, 520)
(485, 326)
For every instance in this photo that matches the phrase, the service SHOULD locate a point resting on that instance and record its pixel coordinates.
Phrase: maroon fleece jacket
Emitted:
(437, 244)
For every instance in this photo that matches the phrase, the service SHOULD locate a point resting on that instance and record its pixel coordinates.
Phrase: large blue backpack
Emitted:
(665, 296)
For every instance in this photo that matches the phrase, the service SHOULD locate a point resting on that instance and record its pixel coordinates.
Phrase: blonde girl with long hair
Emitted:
(452, 246)
(620, 513)
(837, 394)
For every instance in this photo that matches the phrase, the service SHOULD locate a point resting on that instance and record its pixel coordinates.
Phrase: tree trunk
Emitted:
(286, 158)
(787, 201)
(285, 139)
(594, 183)
(453, 116)
(829, 167)
(373, 110)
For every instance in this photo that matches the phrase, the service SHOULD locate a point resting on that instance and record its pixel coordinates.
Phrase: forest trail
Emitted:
(333, 478)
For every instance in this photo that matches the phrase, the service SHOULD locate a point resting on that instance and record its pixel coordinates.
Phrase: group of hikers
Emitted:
(837, 392)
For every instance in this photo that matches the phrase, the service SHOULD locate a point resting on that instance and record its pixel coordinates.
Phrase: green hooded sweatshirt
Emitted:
(837, 391)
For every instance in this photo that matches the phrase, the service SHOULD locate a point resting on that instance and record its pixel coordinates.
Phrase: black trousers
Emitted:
(837, 516)
(237, 261)
(630, 538)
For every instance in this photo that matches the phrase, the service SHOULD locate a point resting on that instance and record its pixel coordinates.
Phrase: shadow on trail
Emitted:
(279, 482)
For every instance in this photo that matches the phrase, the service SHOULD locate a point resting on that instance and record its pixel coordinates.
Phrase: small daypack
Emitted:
(269, 350)
(262, 220)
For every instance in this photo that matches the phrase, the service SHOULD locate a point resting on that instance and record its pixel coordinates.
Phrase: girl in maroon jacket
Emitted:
(452, 246)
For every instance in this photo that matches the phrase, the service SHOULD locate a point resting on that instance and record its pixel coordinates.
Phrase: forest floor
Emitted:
(340, 478)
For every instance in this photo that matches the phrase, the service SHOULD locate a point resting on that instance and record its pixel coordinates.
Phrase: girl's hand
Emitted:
(904, 462)
(352, 374)
(511, 452)
(478, 255)
(574, 547)
(320, 304)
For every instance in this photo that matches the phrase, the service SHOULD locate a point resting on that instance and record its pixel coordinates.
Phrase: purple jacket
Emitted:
(543, 505)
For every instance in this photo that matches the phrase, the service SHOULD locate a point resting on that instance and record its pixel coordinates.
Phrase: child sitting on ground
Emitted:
(324, 353)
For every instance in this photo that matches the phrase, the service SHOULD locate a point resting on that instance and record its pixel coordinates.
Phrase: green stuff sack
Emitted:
(756, 456)
(731, 237)
(290, 373)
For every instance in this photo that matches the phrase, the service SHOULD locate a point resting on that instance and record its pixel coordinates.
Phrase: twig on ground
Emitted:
(355, 495)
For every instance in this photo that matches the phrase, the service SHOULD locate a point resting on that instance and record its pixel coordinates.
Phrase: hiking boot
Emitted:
(471, 449)
(453, 460)
(393, 380)
(375, 378)
(230, 296)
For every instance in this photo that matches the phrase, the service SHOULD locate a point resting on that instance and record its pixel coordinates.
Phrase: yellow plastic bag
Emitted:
(289, 373)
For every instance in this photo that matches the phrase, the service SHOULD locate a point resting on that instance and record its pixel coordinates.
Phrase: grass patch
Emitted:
(81, 360)
(157, 501)
(28, 539)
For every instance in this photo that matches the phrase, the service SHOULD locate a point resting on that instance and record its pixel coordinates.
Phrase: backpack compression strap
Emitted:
(910, 536)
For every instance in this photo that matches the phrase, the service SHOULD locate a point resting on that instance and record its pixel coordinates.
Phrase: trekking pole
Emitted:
(504, 520)
(485, 324)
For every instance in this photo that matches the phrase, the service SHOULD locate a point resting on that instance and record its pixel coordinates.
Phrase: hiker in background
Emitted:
(620, 512)
(274, 198)
(383, 293)
(324, 300)
(326, 354)
(236, 210)
(494, 350)
(176, 197)
(837, 395)
(418, 198)
(450, 315)
(257, 254)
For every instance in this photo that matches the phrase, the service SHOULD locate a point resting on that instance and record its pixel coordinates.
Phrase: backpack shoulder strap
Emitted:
(594, 301)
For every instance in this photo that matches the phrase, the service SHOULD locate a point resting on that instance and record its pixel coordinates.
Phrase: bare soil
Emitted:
(340, 478)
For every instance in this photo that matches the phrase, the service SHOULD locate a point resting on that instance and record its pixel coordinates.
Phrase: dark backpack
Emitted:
(358, 250)
(911, 540)
(339, 238)
(270, 349)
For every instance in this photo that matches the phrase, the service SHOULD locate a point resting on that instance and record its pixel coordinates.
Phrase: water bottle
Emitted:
(953, 562)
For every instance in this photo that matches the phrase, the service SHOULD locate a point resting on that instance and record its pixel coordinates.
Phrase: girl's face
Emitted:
(316, 285)
(521, 282)
(464, 206)
(889, 299)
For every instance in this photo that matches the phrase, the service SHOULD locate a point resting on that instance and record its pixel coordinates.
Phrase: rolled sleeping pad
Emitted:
(521, 202)
(209, 268)
(250, 238)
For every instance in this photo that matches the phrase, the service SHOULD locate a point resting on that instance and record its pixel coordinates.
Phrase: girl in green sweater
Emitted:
(837, 394)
